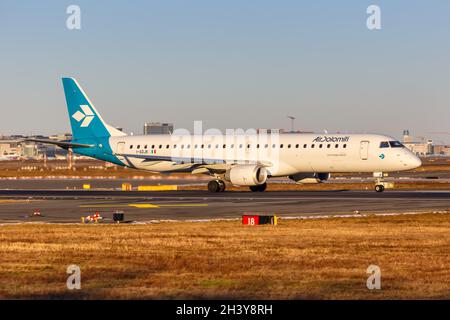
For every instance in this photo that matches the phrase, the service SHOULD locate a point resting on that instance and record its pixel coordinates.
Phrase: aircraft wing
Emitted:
(182, 160)
(185, 160)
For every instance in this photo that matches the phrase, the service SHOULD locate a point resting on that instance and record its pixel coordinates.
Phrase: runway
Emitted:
(109, 194)
(70, 205)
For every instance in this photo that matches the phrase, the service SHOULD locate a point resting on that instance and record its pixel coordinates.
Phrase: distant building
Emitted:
(406, 137)
(158, 128)
(421, 149)
(442, 150)
(14, 147)
(29, 150)
(280, 131)
(268, 131)
(34, 150)
(65, 136)
(418, 145)
(10, 148)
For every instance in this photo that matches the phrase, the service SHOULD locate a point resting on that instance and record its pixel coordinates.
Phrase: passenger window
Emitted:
(257, 146)
(336, 146)
(266, 146)
(138, 147)
(167, 147)
(289, 146)
(344, 146)
(296, 146)
(273, 146)
(384, 144)
(131, 146)
(153, 146)
(240, 146)
(160, 146)
(174, 146)
(281, 145)
(305, 145)
(224, 146)
(232, 146)
(182, 146)
(145, 147)
(312, 146)
(320, 146)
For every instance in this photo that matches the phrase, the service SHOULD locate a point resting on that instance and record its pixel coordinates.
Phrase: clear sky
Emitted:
(232, 64)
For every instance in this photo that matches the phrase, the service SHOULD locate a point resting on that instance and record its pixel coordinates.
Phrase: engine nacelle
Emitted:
(247, 175)
(310, 177)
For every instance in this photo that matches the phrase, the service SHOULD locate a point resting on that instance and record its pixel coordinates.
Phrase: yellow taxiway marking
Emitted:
(145, 205)
(184, 205)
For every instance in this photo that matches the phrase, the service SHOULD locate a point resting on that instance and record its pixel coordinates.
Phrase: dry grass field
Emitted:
(308, 259)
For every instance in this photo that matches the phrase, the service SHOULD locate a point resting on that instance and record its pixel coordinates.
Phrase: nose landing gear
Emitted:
(379, 184)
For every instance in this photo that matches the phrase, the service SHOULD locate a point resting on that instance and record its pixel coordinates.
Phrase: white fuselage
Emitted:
(282, 155)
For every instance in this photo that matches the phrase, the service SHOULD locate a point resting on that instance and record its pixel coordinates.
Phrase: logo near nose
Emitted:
(381, 156)
(86, 115)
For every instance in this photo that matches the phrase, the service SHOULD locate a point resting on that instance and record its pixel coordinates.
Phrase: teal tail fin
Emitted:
(85, 120)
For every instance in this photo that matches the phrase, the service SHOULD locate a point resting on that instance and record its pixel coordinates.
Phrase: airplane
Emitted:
(241, 160)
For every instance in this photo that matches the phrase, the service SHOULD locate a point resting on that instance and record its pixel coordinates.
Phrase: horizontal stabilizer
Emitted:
(62, 144)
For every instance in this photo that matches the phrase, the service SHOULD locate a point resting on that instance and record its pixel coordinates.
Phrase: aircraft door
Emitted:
(364, 150)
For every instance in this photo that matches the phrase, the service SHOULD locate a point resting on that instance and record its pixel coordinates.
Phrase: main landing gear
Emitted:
(216, 186)
(219, 186)
(259, 187)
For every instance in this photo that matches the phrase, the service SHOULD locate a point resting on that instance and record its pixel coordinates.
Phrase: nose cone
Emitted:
(414, 162)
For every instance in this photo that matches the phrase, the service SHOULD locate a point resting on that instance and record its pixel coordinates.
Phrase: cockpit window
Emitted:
(384, 144)
(395, 144)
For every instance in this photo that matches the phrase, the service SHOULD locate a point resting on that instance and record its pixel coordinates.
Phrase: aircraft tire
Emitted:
(213, 186)
(221, 185)
(259, 187)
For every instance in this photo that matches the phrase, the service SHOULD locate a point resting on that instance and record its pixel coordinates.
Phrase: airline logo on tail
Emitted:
(86, 115)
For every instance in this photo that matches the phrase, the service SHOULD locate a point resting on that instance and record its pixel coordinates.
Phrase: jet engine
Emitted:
(247, 175)
(310, 177)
